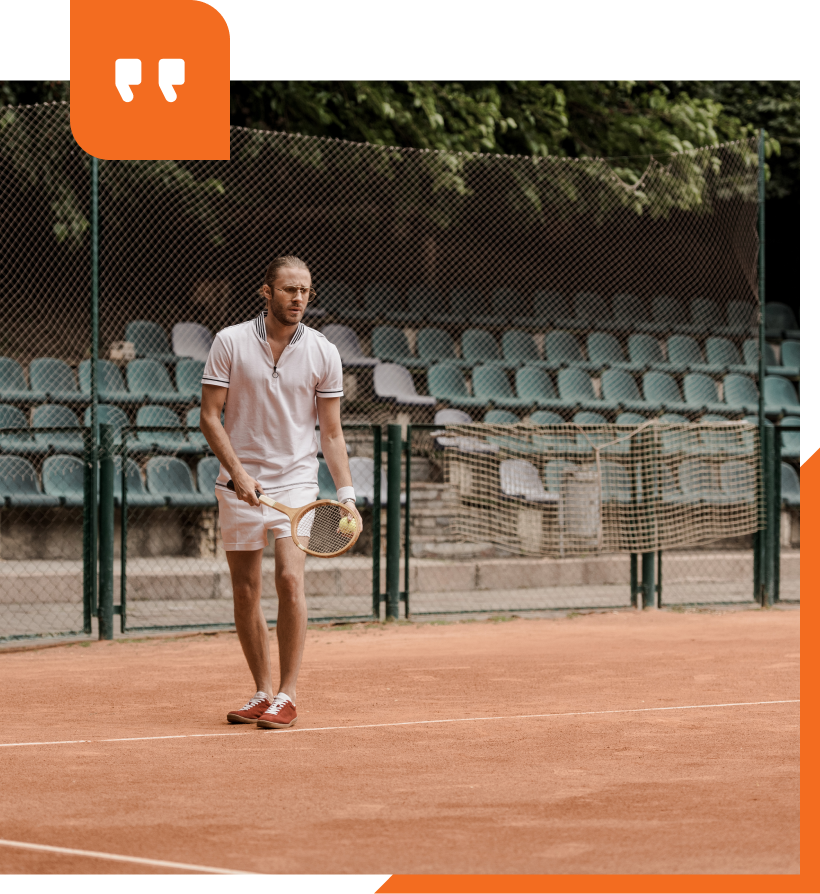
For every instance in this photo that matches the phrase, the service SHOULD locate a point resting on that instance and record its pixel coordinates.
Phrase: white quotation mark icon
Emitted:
(128, 74)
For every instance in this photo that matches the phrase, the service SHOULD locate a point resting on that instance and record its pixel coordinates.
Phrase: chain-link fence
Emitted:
(512, 290)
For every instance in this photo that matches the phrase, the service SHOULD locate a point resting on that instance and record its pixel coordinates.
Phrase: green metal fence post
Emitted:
(106, 539)
(633, 579)
(123, 531)
(770, 537)
(777, 498)
(648, 578)
(393, 520)
(406, 593)
(377, 520)
(89, 568)
(761, 542)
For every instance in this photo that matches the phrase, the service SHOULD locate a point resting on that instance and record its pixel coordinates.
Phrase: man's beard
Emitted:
(282, 318)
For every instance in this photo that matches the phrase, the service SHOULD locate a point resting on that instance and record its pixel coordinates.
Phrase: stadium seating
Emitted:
(520, 350)
(189, 378)
(670, 493)
(706, 317)
(668, 315)
(110, 385)
(491, 385)
(195, 438)
(519, 479)
(22, 441)
(479, 347)
(562, 349)
(701, 393)
(109, 415)
(153, 417)
(780, 396)
(683, 354)
(699, 482)
(436, 346)
(738, 482)
(327, 489)
(789, 485)
(150, 340)
(55, 379)
(740, 316)
(446, 383)
(501, 417)
(19, 485)
(534, 385)
(56, 416)
(504, 303)
(452, 417)
(589, 310)
(149, 380)
(616, 484)
(722, 437)
(627, 311)
(390, 345)
(170, 478)
(547, 306)
(644, 351)
(585, 441)
(394, 383)
(678, 440)
(740, 393)
(661, 391)
(63, 478)
(562, 439)
(575, 389)
(780, 322)
(789, 366)
(722, 357)
(347, 343)
(605, 350)
(13, 385)
(619, 386)
(553, 471)
(790, 444)
(339, 299)
(207, 471)
(191, 340)
(630, 419)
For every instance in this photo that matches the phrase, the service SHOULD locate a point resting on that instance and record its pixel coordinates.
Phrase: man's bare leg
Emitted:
(246, 578)
(291, 622)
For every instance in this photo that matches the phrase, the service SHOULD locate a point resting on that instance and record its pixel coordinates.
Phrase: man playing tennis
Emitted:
(275, 377)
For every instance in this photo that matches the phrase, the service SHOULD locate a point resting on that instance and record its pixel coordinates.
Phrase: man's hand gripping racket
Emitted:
(323, 528)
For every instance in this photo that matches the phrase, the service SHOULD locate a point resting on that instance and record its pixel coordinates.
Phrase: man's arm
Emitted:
(333, 444)
(213, 399)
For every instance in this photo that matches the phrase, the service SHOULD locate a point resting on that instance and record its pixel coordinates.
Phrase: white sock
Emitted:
(283, 696)
(261, 694)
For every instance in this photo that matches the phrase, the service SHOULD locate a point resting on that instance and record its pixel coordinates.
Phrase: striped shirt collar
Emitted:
(259, 328)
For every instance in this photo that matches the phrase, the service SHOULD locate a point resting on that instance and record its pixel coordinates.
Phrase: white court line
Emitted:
(319, 729)
(99, 855)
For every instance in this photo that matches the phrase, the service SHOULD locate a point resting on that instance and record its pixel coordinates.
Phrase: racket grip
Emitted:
(230, 486)
(262, 498)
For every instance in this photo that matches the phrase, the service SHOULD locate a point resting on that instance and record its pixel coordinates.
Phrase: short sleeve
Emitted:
(330, 385)
(218, 366)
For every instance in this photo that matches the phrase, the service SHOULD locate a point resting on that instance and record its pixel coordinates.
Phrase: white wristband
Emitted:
(345, 493)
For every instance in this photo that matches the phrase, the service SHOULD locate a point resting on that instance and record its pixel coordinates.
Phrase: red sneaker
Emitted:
(252, 711)
(279, 715)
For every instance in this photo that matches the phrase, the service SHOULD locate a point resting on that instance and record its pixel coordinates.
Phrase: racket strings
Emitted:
(326, 529)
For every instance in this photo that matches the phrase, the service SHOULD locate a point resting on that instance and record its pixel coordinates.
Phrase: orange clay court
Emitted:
(523, 746)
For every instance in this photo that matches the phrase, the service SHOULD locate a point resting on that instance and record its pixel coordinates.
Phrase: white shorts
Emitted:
(246, 527)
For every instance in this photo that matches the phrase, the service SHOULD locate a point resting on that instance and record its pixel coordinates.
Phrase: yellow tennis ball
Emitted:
(347, 525)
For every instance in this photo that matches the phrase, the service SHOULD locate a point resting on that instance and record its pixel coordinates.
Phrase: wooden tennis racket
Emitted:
(323, 528)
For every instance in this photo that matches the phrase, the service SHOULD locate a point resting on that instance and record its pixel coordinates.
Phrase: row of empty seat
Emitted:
(389, 344)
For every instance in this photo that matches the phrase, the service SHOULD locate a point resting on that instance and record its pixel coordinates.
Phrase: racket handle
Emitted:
(261, 497)
(230, 485)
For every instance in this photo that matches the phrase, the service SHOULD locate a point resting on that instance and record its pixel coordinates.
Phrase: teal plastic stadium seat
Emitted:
(446, 383)
(790, 434)
(390, 345)
(195, 438)
(171, 478)
(553, 471)
(701, 393)
(623, 443)
(491, 385)
(110, 385)
(722, 356)
(55, 416)
(207, 471)
(149, 380)
(589, 309)
(628, 313)
(54, 378)
(108, 415)
(740, 318)
(381, 300)
(668, 315)
(327, 489)
(479, 347)
(546, 417)
(781, 322)
(150, 340)
(721, 436)
(740, 393)
(616, 484)
(738, 481)
(605, 350)
(436, 346)
(575, 388)
(644, 351)
(18, 441)
(585, 439)
(189, 378)
(681, 439)
(534, 386)
(63, 478)
(789, 485)
(562, 439)
(751, 356)
(547, 306)
(670, 493)
(789, 366)
(136, 494)
(519, 349)
(13, 385)
(501, 417)
(706, 317)
(780, 396)
(620, 386)
(153, 417)
(19, 485)
(562, 349)
(699, 481)
(661, 391)
(683, 352)
(630, 419)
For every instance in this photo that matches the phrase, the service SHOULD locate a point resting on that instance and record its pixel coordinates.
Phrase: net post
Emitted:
(761, 542)
(771, 533)
(633, 579)
(648, 579)
(659, 586)
(377, 519)
(393, 519)
(123, 530)
(106, 535)
(406, 594)
(777, 497)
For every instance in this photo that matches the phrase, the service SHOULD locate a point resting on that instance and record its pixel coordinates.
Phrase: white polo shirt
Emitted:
(270, 410)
